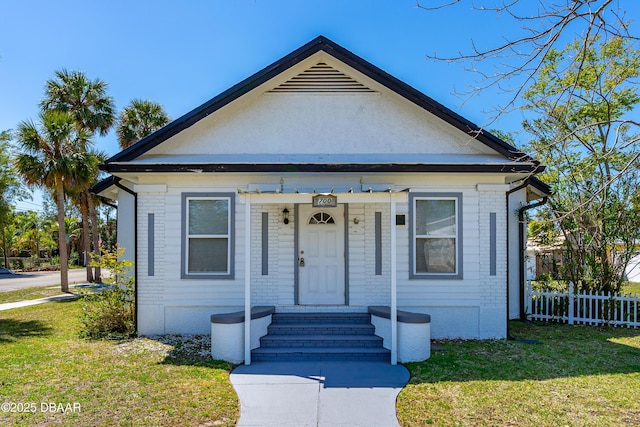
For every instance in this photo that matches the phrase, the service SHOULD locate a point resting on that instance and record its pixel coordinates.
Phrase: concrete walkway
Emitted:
(90, 287)
(18, 304)
(318, 393)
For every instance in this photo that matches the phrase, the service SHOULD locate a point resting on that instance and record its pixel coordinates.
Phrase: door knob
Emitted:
(301, 262)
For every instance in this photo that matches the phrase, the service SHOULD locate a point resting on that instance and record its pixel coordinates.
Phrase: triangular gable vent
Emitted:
(321, 78)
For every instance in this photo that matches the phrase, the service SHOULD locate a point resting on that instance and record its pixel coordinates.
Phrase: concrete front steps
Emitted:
(321, 337)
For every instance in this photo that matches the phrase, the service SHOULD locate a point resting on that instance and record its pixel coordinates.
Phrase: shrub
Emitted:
(73, 258)
(17, 264)
(110, 313)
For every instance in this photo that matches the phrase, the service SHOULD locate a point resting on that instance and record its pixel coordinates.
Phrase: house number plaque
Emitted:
(325, 201)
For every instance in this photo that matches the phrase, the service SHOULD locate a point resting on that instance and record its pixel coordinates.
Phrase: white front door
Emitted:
(321, 257)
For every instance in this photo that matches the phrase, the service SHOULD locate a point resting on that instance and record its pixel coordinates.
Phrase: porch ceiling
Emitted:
(321, 190)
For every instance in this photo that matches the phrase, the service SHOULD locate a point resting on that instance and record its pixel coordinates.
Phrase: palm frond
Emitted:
(87, 100)
(32, 169)
(140, 118)
(28, 137)
(51, 149)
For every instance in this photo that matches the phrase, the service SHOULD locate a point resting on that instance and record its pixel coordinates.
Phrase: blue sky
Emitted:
(181, 54)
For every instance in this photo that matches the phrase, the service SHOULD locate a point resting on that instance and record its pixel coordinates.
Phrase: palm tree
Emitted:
(47, 158)
(139, 119)
(86, 173)
(73, 225)
(94, 111)
(87, 100)
(92, 201)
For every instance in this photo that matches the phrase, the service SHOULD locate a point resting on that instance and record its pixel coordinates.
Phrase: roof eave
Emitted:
(315, 167)
(103, 185)
(544, 190)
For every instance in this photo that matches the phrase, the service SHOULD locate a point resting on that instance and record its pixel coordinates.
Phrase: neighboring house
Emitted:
(545, 260)
(322, 183)
(633, 269)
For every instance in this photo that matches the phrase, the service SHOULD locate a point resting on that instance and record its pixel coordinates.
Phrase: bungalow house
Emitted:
(323, 184)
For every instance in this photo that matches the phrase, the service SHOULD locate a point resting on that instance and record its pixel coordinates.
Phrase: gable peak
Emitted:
(321, 78)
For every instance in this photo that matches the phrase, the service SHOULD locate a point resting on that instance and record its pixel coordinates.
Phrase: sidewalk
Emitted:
(92, 287)
(27, 303)
(318, 393)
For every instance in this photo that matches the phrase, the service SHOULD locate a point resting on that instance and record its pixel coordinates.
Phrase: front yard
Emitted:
(575, 376)
(142, 382)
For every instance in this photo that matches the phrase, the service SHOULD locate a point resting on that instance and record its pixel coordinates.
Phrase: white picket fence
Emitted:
(579, 307)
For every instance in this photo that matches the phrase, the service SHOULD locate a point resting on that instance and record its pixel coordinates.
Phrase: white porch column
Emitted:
(247, 280)
(394, 284)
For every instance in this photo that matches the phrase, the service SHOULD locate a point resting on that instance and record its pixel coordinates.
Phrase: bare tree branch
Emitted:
(520, 57)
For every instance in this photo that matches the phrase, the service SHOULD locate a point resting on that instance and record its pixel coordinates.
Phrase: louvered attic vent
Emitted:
(321, 78)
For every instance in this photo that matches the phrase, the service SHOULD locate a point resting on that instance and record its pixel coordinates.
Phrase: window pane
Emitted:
(436, 217)
(435, 255)
(208, 217)
(208, 255)
(321, 218)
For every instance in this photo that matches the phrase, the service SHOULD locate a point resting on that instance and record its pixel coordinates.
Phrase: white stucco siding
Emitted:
(454, 304)
(167, 303)
(365, 286)
(276, 287)
(151, 287)
(493, 269)
(474, 306)
(126, 224)
(471, 307)
(517, 200)
(345, 123)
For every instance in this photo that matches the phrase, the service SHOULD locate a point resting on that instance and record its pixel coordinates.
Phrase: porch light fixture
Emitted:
(285, 215)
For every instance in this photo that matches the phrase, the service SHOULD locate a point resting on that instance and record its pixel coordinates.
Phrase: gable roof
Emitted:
(321, 43)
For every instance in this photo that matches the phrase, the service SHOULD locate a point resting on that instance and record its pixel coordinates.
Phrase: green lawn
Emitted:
(140, 382)
(576, 376)
(632, 288)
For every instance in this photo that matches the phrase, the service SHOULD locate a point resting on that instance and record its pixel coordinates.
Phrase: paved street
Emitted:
(11, 282)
